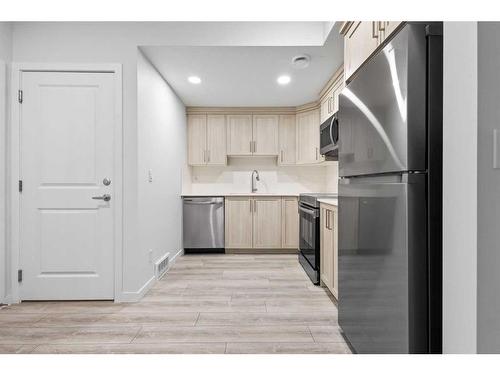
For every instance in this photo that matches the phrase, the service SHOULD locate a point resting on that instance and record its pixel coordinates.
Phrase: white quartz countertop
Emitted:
(242, 195)
(330, 201)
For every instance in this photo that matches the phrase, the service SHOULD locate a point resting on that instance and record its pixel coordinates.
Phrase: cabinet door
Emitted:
(265, 134)
(287, 140)
(216, 140)
(239, 135)
(360, 42)
(326, 247)
(386, 28)
(267, 223)
(197, 139)
(324, 109)
(238, 223)
(290, 224)
(335, 233)
(308, 137)
(336, 93)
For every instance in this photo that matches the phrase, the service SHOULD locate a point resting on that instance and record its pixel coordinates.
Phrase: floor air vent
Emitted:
(161, 266)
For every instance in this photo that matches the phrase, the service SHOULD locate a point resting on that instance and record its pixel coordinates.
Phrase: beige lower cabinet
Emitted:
(261, 222)
(329, 248)
(290, 223)
(267, 223)
(238, 222)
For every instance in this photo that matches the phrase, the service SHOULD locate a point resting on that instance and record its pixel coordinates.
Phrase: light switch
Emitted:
(496, 148)
(150, 175)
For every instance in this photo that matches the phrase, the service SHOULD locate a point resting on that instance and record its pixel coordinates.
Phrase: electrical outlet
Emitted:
(150, 175)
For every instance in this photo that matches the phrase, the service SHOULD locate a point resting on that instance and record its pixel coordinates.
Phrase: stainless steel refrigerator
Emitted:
(390, 194)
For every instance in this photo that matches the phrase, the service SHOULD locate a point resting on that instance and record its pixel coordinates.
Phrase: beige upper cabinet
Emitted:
(265, 135)
(206, 139)
(216, 140)
(329, 103)
(239, 135)
(267, 222)
(290, 223)
(287, 140)
(238, 222)
(386, 28)
(197, 139)
(361, 40)
(308, 137)
(329, 248)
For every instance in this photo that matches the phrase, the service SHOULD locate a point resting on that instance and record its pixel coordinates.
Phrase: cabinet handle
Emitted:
(251, 147)
(381, 26)
(204, 156)
(255, 206)
(316, 153)
(208, 156)
(254, 146)
(374, 35)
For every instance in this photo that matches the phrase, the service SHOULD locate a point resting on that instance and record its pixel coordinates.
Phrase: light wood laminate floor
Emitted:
(205, 304)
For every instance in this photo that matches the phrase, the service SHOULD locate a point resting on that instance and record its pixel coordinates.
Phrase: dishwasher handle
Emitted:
(204, 201)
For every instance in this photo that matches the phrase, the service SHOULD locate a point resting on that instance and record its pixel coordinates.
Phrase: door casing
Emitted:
(14, 153)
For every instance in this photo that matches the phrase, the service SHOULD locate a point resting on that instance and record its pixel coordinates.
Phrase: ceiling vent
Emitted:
(301, 61)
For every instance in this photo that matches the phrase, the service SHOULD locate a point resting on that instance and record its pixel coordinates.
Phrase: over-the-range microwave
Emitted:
(329, 138)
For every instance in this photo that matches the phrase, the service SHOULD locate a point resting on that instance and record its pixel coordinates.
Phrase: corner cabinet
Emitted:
(329, 247)
(206, 140)
(362, 39)
(308, 137)
(261, 222)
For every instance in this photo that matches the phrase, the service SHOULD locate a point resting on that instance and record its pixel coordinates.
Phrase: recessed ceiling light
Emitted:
(194, 79)
(283, 80)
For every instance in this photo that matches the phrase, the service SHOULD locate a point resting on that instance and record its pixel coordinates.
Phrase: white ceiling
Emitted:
(246, 76)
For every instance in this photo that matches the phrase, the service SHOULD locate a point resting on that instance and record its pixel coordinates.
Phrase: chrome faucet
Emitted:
(257, 178)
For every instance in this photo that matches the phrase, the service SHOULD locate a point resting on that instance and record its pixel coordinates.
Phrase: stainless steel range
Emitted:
(309, 243)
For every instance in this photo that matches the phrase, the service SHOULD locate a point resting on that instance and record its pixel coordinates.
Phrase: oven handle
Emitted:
(308, 211)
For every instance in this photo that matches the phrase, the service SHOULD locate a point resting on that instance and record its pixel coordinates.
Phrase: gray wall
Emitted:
(162, 148)
(488, 186)
(459, 187)
(5, 58)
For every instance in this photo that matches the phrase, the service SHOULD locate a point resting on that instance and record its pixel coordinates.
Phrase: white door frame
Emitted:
(17, 70)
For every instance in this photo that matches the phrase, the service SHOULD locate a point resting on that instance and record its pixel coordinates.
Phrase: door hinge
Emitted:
(20, 96)
(19, 276)
(20, 186)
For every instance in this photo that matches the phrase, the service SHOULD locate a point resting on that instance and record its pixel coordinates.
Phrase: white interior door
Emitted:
(67, 148)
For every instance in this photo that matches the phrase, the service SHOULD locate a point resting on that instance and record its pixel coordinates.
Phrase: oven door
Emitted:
(309, 234)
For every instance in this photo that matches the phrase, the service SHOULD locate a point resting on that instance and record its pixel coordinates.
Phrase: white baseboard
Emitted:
(137, 296)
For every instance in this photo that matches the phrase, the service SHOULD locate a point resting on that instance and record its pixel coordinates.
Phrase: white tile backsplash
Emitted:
(236, 178)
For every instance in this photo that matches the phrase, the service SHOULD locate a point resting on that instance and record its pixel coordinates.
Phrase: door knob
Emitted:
(106, 182)
(105, 197)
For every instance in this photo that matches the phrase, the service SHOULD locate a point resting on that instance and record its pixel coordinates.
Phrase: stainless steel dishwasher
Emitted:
(203, 224)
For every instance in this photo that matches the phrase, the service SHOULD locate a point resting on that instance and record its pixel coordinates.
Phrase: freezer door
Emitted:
(382, 263)
(382, 118)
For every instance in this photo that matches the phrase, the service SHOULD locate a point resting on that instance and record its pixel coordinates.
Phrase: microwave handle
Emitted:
(331, 127)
